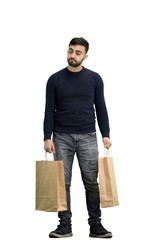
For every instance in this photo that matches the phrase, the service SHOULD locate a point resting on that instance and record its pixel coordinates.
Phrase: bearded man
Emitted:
(73, 95)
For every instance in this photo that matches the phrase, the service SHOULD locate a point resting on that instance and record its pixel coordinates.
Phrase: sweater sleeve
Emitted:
(101, 109)
(48, 124)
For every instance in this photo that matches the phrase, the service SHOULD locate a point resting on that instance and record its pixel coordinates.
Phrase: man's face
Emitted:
(75, 55)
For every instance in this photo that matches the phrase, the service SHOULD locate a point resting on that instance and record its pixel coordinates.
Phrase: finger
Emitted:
(52, 149)
(108, 146)
(48, 150)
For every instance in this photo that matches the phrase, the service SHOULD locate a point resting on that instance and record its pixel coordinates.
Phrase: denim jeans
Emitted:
(86, 148)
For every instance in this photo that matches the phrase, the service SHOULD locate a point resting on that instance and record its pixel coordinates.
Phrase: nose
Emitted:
(73, 55)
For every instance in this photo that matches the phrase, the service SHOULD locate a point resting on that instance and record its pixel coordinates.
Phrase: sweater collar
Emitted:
(74, 73)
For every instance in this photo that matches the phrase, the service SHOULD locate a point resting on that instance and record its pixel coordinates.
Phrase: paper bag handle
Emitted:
(51, 154)
(106, 152)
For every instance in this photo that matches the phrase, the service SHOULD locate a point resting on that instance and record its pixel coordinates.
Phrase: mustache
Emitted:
(72, 59)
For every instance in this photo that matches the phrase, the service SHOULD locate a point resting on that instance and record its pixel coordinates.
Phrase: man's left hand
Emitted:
(107, 142)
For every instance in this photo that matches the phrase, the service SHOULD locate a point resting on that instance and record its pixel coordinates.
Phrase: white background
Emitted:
(124, 39)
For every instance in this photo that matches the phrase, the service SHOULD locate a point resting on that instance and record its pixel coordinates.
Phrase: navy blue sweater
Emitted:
(70, 101)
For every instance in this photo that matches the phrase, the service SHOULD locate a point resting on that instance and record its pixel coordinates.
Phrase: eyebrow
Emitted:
(76, 50)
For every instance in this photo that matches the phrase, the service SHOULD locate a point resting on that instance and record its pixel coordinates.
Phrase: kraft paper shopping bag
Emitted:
(50, 185)
(107, 181)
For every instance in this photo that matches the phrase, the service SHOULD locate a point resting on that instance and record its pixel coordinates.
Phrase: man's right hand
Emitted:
(49, 146)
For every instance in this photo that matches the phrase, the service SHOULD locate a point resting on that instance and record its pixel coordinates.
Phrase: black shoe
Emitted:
(63, 230)
(98, 231)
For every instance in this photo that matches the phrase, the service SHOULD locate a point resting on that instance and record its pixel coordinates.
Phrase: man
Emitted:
(71, 94)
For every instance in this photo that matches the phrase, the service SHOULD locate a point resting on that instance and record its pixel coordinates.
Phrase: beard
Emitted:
(74, 63)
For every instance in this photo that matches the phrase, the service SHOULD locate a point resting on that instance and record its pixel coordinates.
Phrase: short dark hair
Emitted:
(80, 41)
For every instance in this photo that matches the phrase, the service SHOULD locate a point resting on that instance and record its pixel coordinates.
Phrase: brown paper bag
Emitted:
(107, 182)
(50, 186)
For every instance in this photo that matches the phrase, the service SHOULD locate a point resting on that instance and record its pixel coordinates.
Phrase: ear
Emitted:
(85, 57)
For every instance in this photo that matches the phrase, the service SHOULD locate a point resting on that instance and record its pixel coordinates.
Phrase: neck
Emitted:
(75, 69)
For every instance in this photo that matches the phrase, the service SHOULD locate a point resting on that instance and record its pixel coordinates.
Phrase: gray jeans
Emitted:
(86, 149)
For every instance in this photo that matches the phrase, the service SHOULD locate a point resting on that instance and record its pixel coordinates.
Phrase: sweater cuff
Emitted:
(47, 137)
(106, 134)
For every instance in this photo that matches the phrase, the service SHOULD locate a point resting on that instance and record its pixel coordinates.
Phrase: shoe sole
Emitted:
(55, 235)
(106, 235)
